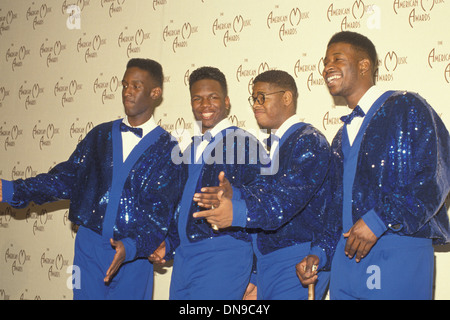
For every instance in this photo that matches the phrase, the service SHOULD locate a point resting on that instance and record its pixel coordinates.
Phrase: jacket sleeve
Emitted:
(156, 206)
(55, 185)
(413, 177)
(272, 200)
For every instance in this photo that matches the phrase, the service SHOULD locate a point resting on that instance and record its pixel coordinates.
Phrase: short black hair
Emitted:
(358, 42)
(209, 73)
(151, 66)
(280, 78)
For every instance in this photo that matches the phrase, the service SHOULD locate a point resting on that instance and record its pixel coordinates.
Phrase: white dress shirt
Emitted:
(223, 124)
(130, 140)
(367, 100)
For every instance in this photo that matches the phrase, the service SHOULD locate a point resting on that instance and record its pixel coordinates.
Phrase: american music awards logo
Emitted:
(286, 22)
(349, 17)
(313, 71)
(18, 259)
(37, 14)
(16, 55)
(11, 135)
(51, 52)
(417, 11)
(178, 35)
(90, 47)
(6, 21)
(30, 94)
(132, 41)
(230, 29)
(44, 134)
(389, 64)
(106, 87)
(247, 71)
(67, 91)
(53, 264)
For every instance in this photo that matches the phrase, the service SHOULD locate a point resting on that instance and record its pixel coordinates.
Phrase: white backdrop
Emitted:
(61, 63)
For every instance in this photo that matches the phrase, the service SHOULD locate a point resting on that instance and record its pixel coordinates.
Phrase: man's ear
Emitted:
(288, 98)
(227, 104)
(364, 66)
(156, 93)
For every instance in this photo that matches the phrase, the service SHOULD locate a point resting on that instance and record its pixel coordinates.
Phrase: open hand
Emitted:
(222, 216)
(207, 198)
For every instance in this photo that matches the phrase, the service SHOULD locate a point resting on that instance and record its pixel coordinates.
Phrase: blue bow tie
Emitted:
(357, 112)
(136, 131)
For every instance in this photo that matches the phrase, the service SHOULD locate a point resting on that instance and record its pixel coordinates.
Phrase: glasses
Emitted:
(261, 98)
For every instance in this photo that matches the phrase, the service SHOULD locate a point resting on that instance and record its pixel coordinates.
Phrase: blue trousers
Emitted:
(277, 278)
(396, 268)
(93, 256)
(213, 269)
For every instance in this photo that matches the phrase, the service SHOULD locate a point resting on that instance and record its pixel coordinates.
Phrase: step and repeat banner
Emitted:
(62, 62)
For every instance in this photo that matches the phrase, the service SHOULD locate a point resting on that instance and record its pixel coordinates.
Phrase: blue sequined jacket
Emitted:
(288, 207)
(234, 151)
(152, 185)
(403, 173)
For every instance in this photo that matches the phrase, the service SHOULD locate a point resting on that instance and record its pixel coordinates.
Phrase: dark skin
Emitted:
(348, 73)
(210, 105)
(140, 96)
(275, 110)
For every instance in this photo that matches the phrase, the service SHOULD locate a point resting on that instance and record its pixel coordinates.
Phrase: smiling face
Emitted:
(209, 103)
(346, 72)
(139, 95)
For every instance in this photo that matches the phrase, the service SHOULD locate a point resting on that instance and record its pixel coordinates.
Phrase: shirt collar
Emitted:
(286, 125)
(369, 98)
(148, 126)
(223, 124)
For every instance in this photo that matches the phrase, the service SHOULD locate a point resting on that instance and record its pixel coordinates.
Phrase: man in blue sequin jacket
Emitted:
(391, 173)
(285, 207)
(123, 187)
(211, 262)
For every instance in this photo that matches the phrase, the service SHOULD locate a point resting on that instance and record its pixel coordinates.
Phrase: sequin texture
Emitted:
(288, 207)
(403, 171)
(236, 156)
(148, 199)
